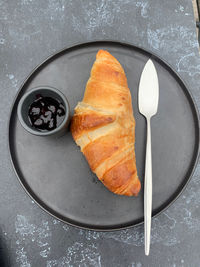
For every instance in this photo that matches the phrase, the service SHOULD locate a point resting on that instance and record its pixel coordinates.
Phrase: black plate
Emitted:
(56, 174)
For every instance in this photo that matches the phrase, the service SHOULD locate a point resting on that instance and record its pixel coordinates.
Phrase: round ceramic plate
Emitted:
(55, 173)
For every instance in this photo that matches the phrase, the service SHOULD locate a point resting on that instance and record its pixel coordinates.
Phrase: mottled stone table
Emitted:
(29, 32)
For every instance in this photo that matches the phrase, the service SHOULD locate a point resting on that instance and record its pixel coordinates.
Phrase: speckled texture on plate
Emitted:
(29, 32)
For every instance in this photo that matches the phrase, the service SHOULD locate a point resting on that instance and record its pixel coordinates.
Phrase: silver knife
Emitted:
(148, 104)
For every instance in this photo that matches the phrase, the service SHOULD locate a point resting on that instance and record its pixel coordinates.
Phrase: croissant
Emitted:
(104, 127)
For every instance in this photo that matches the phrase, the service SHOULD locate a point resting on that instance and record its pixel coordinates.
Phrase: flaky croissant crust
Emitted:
(104, 127)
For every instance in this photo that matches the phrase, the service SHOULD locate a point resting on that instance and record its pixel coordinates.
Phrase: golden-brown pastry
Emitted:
(104, 127)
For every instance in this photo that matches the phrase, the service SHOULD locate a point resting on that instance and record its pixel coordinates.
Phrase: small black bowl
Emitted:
(29, 97)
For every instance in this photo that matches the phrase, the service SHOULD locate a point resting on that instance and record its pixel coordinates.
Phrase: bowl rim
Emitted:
(31, 129)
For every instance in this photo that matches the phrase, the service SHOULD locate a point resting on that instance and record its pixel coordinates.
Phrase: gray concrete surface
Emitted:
(29, 32)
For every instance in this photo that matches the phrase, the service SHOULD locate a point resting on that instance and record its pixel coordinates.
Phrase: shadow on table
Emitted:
(4, 258)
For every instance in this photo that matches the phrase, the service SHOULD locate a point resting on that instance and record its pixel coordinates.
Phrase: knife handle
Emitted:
(148, 190)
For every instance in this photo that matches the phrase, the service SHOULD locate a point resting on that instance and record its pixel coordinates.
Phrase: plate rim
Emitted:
(191, 100)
